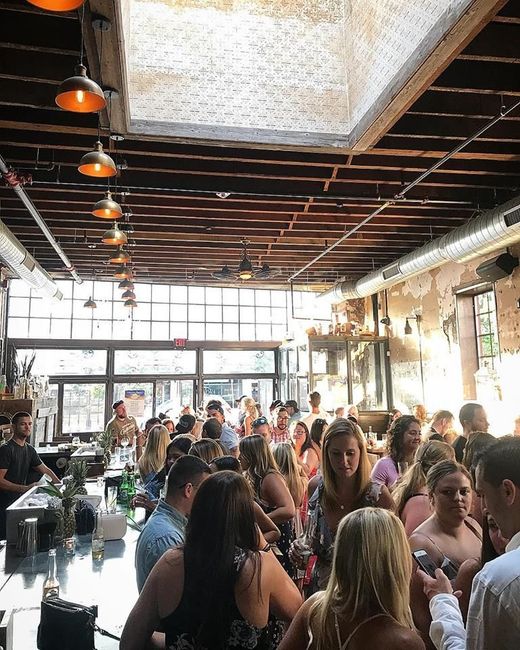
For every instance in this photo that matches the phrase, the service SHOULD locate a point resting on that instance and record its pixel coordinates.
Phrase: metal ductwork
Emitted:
(492, 230)
(19, 260)
(13, 181)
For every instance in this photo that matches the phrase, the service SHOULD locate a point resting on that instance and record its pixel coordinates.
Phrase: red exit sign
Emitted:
(179, 344)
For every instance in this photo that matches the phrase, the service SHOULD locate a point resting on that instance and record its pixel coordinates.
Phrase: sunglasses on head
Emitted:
(259, 421)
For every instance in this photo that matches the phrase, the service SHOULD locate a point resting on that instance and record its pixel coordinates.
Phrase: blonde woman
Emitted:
(367, 600)
(293, 474)
(248, 414)
(412, 503)
(154, 454)
(207, 449)
(270, 490)
(345, 486)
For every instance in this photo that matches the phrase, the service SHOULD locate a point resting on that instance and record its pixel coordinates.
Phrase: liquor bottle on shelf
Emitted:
(98, 538)
(51, 586)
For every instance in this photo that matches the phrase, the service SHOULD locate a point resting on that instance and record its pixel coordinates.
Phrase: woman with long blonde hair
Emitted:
(248, 414)
(270, 490)
(412, 504)
(344, 486)
(367, 600)
(154, 454)
(294, 476)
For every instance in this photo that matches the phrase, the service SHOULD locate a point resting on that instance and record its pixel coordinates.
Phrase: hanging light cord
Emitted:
(82, 22)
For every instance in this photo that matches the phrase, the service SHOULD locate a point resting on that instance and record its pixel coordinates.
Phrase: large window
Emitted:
(83, 408)
(225, 362)
(486, 329)
(163, 313)
(66, 362)
(152, 362)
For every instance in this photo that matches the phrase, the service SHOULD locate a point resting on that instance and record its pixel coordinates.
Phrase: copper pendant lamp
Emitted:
(128, 294)
(130, 303)
(114, 236)
(97, 163)
(120, 257)
(80, 94)
(57, 5)
(122, 272)
(107, 208)
(126, 284)
(90, 303)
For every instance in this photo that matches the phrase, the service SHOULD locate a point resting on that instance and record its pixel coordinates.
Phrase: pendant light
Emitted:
(130, 303)
(122, 272)
(114, 236)
(245, 269)
(126, 284)
(128, 294)
(80, 94)
(120, 257)
(97, 163)
(107, 208)
(90, 303)
(57, 5)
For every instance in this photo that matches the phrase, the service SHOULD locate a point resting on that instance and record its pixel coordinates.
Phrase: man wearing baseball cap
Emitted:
(122, 424)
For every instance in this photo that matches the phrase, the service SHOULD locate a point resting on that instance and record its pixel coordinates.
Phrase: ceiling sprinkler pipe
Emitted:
(18, 188)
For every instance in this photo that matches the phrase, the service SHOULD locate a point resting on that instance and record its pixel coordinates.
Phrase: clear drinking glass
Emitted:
(112, 499)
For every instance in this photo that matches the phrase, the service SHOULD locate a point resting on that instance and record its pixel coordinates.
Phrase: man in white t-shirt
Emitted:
(315, 408)
(493, 621)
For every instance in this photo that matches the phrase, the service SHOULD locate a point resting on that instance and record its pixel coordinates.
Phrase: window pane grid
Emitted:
(486, 329)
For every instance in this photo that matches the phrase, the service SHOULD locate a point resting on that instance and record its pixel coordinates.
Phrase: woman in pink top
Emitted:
(404, 437)
(412, 504)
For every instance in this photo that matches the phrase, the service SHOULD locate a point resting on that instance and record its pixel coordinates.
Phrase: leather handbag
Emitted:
(68, 626)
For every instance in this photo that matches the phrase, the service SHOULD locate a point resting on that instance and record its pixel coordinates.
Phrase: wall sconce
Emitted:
(408, 327)
(407, 331)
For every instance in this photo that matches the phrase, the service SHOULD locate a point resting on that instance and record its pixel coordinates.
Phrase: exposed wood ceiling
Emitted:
(289, 204)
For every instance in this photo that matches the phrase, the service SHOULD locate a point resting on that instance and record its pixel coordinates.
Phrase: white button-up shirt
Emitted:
(494, 608)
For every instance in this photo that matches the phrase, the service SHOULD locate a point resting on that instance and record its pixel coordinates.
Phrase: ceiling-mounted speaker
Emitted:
(497, 268)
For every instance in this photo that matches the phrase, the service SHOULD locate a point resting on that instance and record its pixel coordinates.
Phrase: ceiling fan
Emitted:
(245, 270)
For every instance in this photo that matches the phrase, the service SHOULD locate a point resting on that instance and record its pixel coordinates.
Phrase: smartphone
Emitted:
(425, 562)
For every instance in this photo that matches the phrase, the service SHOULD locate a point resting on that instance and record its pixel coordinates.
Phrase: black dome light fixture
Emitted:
(245, 270)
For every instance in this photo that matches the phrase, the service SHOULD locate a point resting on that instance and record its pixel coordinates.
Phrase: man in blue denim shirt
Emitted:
(166, 527)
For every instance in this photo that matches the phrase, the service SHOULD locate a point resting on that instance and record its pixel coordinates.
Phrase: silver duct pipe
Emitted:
(492, 230)
(15, 255)
(18, 188)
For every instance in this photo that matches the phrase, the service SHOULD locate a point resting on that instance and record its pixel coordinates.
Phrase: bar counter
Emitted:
(110, 584)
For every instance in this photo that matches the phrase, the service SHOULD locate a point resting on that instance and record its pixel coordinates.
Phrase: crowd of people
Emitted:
(285, 531)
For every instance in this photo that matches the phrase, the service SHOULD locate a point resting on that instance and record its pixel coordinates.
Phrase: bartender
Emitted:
(122, 424)
(17, 458)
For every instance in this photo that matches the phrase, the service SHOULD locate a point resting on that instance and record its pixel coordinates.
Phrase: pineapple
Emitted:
(77, 470)
(104, 440)
(66, 494)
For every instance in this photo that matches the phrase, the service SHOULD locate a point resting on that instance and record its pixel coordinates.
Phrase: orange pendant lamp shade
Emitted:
(97, 163)
(80, 94)
(57, 5)
(114, 237)
(120, 257)
(107, 208)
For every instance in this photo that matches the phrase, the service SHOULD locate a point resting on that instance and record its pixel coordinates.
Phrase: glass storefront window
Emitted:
(368, 376)
(218, 362)
(172, 394)
(83, 408)
(66, 362)
(153, 362)
(141, 415)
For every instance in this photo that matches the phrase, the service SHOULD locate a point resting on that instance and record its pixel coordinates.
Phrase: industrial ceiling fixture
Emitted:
(128, 294)
(126, 284)
(120, 256)
(107, 208)
(90, 303)
(97, 163)
(114, 236)
(122, 272)
(57, 5)
(407, 328)
(245, 270)
(131, 303)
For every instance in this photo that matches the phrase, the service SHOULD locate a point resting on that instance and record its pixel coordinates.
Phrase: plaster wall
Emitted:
(432, 296)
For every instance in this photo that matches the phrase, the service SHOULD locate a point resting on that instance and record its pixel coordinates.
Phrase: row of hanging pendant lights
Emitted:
(80, 94)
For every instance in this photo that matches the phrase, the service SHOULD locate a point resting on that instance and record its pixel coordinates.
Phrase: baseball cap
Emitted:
(185, 423)
(118, 403)
(215, 406)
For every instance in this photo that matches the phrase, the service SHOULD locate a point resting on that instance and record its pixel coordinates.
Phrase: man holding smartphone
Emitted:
(494, 607)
